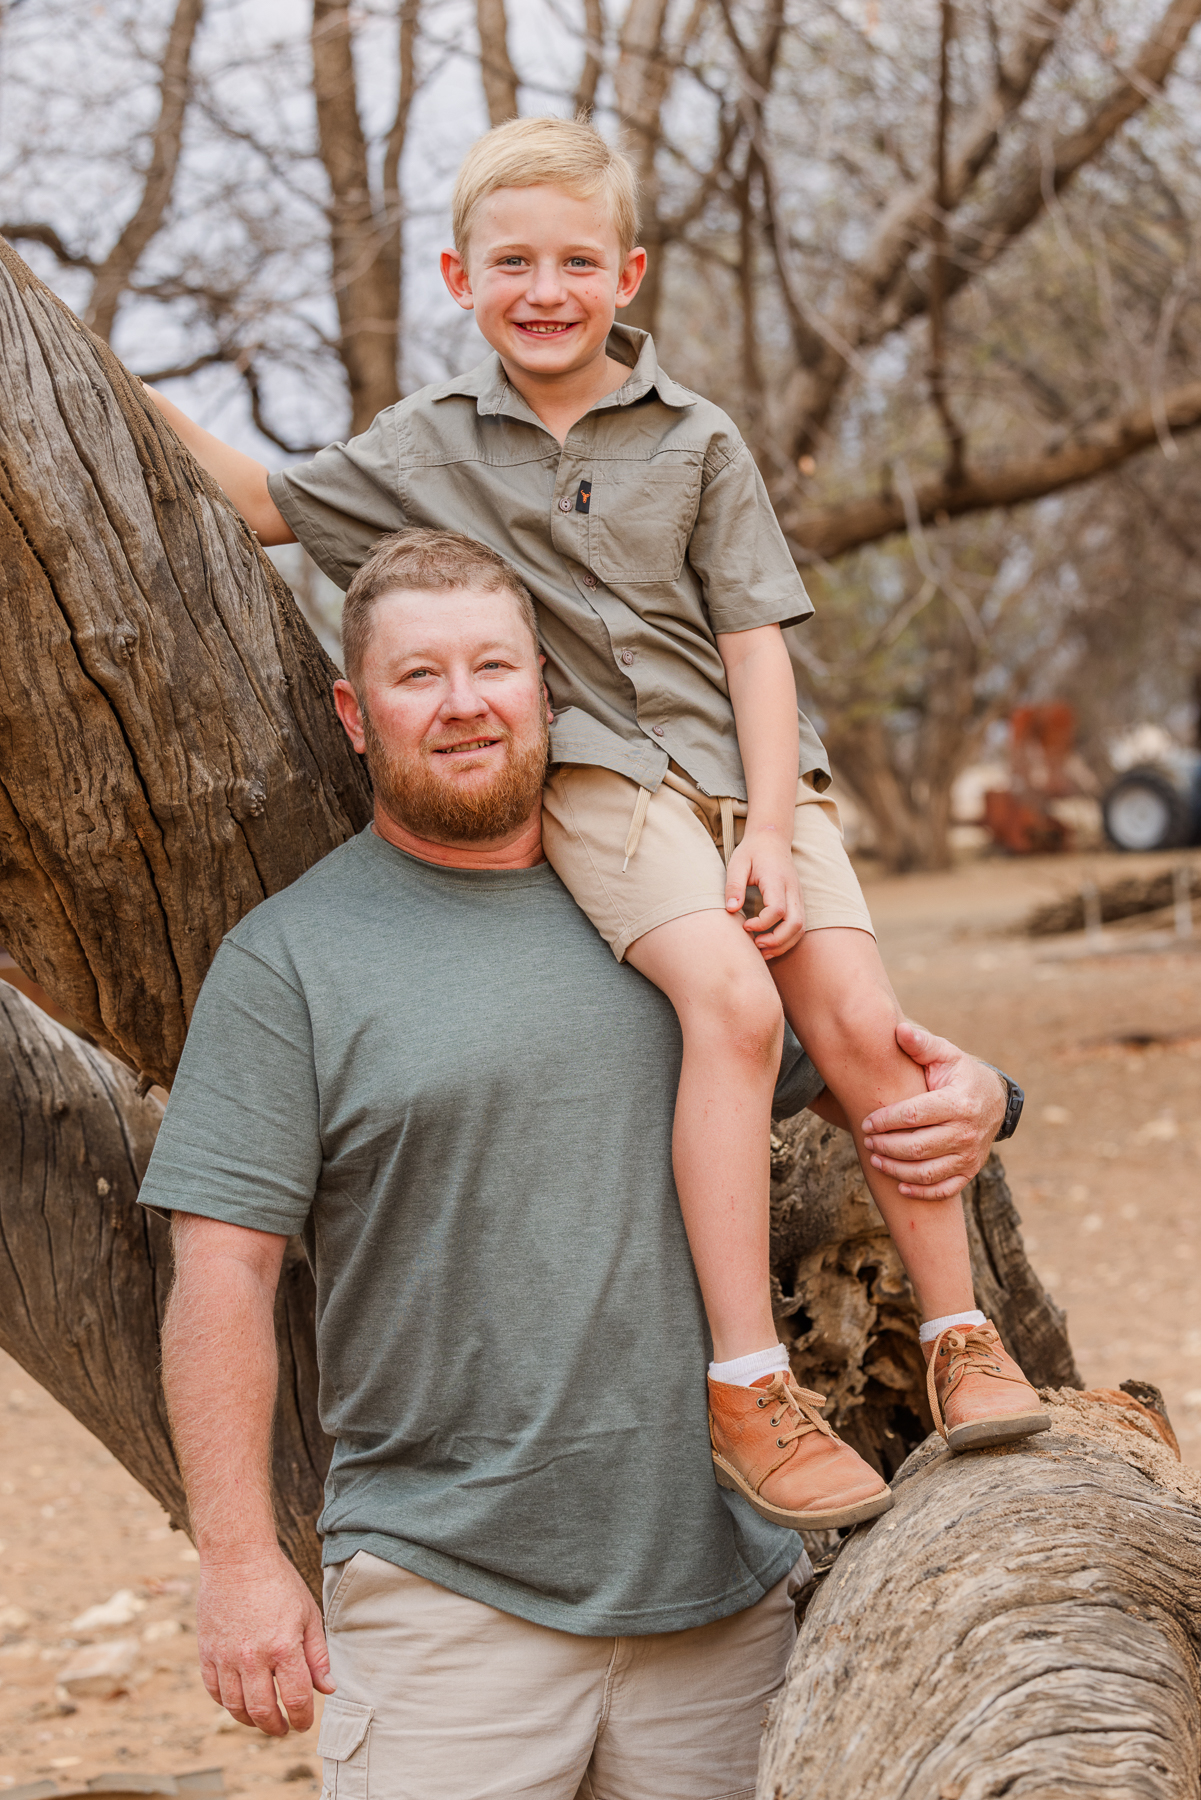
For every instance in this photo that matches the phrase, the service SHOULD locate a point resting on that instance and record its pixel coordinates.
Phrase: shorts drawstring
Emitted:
(636, 823)
(634, 834)
(727, 828)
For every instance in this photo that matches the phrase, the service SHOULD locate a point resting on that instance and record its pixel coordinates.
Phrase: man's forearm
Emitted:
(240, 478)
(220, 1373)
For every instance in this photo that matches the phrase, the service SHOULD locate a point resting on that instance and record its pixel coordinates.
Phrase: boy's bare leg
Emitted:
(732, 1023)
(840, 1003)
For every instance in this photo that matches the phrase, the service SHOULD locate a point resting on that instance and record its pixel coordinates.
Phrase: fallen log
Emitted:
(1025, 1621)
(85, 1271)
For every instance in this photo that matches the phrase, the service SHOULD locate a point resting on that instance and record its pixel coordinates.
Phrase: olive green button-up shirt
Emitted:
(647, 532)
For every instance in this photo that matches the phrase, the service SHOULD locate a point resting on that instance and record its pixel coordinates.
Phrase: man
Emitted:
(423, 1056)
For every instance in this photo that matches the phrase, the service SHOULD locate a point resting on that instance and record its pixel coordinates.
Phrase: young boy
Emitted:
(682, 773)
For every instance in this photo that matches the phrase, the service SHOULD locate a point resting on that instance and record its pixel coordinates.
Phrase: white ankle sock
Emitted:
(745, 1371)
(932, 1327)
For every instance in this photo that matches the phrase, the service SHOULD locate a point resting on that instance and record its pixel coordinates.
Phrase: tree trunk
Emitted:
(366, 248)
(169, 754)
(1023, 1622)
(85, 1272)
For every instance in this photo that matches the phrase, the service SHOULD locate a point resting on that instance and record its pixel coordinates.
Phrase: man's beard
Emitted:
(411, 793)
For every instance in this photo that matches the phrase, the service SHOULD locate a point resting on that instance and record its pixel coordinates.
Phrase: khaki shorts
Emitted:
(633, 860)
(442, 1698)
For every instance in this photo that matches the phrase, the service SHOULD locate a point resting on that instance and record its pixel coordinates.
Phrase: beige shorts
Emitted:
(633, 860)
(442, 1698)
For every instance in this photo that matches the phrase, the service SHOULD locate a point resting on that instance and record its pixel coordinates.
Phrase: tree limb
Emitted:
(34, 232)
(833, 530)
(365, 282)
(112, 276)
(496, 67)
(1042, 178)
(594, 55)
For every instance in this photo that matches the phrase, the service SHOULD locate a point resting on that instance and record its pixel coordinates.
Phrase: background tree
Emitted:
(953, 251)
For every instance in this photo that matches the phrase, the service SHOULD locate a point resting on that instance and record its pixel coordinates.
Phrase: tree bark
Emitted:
(85, 1272)
(1023, 1622)
(169, 754)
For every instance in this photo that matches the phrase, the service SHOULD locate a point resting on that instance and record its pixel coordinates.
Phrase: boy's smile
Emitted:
(544, 274)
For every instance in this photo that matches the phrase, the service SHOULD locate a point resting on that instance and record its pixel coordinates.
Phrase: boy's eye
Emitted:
(580, 262)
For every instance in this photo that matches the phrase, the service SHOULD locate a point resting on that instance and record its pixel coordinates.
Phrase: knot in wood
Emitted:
(125, 639)
(248, 799)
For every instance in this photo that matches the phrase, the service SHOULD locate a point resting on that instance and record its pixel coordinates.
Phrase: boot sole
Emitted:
(984, 1432)
(819, 1519)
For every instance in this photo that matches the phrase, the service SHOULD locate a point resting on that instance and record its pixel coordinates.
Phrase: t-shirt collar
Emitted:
(489, 387)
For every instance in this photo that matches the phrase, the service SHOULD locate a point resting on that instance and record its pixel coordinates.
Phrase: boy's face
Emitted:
(544, 275)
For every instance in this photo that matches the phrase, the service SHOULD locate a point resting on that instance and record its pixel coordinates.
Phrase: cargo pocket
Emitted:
(344, 1747)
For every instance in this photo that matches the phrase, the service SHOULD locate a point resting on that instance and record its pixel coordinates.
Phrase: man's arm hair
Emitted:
(241, 479)
(257, 1623)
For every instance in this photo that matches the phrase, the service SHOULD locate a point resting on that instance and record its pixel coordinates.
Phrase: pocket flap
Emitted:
(343, 1727)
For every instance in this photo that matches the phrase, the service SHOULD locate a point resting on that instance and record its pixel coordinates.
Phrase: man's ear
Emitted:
(630, 279)
(351, 714)
(454, 274)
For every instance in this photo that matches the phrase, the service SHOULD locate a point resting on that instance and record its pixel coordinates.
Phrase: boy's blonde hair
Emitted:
(563, 153)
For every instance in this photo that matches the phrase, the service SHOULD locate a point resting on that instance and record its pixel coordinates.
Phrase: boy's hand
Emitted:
(764, 859)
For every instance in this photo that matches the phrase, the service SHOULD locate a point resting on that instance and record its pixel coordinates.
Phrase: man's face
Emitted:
(450, 711)
(544, 272)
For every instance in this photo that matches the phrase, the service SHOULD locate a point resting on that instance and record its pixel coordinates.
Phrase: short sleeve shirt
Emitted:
(640, 538)
(443, 1079)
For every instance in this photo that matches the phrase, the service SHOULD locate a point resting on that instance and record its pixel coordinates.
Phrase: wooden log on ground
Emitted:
(845, 1307)
(168, 751)
(1025, 1621)
(85, 1271)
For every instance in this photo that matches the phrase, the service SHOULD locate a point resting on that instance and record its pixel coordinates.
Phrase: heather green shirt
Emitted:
(445, 1081)
(678, 542)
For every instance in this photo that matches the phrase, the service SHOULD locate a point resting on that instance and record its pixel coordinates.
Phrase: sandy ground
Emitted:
(1106, 1171)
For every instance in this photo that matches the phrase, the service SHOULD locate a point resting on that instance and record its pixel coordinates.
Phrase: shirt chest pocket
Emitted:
(640, 518)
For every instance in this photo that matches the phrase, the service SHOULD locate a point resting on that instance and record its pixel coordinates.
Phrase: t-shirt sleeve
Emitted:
(798, 1082)
(240, 1139)
(346, 498)
(738, 551)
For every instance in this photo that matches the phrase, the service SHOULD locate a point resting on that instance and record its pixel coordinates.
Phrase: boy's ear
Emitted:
(630, 279)
(454, 274)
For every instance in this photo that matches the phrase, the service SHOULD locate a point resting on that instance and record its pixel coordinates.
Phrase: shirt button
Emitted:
(590, 581)
(627, 657)
(658, 730)
(565, 505)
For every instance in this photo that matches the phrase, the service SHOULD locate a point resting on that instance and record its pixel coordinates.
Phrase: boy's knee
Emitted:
(745, 1013)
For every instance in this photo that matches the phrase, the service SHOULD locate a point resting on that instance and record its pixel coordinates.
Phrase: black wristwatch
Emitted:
(1013, 1106)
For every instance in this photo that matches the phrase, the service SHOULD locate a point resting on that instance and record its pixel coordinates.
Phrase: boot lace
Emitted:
(796, 1405)
(965, 1353)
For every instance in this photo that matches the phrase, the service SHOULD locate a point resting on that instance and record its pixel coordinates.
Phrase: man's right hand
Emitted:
(259, 1629)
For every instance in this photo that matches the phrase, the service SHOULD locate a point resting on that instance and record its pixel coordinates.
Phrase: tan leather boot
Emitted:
(978, 1395)
(771, 1444)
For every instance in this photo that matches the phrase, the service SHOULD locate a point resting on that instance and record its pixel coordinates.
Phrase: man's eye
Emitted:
(415, 674)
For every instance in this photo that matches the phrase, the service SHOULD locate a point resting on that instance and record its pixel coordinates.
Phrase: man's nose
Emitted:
(463, 699)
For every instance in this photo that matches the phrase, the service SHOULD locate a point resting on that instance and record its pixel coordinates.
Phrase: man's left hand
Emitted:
(934, 1144)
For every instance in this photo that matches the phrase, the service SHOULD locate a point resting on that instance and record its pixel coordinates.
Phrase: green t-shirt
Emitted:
(444, 1080)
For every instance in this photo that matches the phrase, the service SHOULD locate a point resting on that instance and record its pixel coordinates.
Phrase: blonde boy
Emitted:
(682, 773)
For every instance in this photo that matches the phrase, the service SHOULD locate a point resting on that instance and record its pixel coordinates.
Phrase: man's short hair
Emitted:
(420, 560)
(562, 153)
